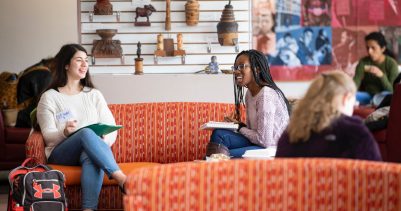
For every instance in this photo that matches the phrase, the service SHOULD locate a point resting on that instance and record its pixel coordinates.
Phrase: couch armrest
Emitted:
(35, 147)
(2, 134)
(15, 135)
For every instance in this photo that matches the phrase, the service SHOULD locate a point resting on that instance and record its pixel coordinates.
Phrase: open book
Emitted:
(220, 125)
(102, 129)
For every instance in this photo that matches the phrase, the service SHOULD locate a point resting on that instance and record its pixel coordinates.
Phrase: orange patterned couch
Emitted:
(153, 133)
(280, 184)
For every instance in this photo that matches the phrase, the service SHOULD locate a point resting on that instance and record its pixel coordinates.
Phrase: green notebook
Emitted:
(102, 129)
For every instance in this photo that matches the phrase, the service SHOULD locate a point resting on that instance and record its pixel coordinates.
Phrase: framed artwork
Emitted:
(302, 38)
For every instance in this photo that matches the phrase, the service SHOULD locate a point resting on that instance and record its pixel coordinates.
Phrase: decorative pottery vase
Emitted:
(103, 7)
(107, 48)
(192, 12)
(227, 28)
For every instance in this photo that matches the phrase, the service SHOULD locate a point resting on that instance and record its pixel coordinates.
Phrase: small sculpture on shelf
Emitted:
(103, 7)
(160, 42)
(138, 49)
(167, 25)
(165, 47)
(138, 60)
(106, 47)
(160, 47)
(213, 65)
(180, 51)
(227, 28)
(192, 12)
(145, 11)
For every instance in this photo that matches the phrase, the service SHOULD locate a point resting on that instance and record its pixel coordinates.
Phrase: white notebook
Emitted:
(268, 153)
(219, 125)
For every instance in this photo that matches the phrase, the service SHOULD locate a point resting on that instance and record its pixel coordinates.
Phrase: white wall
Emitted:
(123, 88)
(32, 30)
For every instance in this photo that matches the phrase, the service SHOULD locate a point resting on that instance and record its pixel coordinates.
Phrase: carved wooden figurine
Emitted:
(138, 60)
(160, 42)
(179, 41)
(180, 50)
(160, 46)
(145, 11)
(168, 17)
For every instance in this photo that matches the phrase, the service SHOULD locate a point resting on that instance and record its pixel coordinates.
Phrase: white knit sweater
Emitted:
(87, 107)
(267, 117)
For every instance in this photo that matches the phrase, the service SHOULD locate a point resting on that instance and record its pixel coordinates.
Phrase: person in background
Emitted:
(70, 103)
(376, 72)
(267, 108)
(322, 124)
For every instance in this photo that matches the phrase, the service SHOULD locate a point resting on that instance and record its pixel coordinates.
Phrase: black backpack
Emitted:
(36, 188)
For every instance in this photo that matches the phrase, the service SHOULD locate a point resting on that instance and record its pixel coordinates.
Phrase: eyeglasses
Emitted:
(240, 67)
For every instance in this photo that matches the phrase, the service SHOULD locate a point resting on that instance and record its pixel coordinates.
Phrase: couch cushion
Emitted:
(73, 173)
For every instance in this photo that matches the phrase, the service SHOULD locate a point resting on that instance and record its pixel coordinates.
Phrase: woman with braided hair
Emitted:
(267, 108)
(322, 124)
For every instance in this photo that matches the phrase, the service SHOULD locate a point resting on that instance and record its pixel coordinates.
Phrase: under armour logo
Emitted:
(39, 190)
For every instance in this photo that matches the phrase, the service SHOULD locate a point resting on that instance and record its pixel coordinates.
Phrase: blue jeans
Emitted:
(236, 143)
(88, 150)
(363, 98)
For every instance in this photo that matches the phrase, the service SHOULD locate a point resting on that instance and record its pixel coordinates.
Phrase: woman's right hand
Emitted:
(374, 70)
(70, 127)
(231, 118)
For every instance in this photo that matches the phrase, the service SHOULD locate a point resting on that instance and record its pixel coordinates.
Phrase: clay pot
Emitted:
(106, 34)
(107, 47)
(103, 7)
(227, 28)
(192, 12)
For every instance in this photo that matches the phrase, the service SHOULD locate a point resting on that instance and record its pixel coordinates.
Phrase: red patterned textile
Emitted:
(153, 132)
(164, 132)
(280, 184)
(35, 147)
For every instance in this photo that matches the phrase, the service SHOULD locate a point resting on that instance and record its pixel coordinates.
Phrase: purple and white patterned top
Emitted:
(267, 117)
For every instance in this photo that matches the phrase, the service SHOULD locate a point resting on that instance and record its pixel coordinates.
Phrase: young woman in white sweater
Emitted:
(70, 103)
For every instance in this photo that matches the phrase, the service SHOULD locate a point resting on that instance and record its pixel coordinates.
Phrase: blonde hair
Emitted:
(320, 105)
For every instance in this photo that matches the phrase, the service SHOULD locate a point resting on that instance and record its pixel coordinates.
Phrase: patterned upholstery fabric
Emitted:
(164, 132)
(152, 132)
(280, 184)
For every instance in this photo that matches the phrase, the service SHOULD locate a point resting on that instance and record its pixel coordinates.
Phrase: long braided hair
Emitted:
(257, 61)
